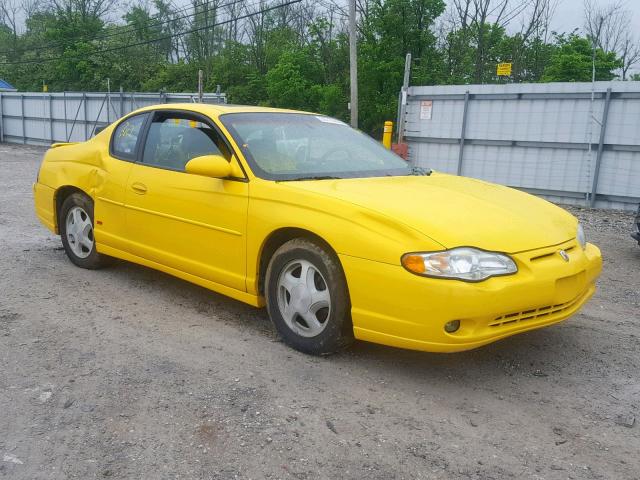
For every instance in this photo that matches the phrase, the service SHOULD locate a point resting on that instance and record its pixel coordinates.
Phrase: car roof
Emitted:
(216, 109)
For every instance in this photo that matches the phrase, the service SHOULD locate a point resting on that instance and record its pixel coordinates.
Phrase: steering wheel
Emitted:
(324, 159)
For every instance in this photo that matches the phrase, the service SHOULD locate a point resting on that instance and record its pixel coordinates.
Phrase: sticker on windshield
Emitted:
(330, 120)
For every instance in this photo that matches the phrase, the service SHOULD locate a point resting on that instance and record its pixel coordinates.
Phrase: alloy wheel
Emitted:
(303, 298)
(79, 231)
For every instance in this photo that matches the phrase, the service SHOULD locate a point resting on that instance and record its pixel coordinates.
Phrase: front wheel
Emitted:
(76, 230)
(307, 298)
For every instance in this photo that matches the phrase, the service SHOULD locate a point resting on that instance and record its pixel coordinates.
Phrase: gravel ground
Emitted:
(130, 373)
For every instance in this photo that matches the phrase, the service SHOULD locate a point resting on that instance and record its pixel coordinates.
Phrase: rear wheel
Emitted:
(76, 230)
(307, 298)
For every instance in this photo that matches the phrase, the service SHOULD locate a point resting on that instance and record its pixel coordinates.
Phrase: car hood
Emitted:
(456, 211)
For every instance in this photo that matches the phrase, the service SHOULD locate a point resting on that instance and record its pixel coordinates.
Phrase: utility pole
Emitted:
(200, 86)
(353, 64)
(403, 96)
(595, 38)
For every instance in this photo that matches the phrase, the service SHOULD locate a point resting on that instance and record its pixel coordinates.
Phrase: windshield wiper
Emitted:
(419, 171)
(315, 177)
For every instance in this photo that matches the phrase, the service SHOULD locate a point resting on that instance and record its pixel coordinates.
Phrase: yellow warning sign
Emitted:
(504, 69)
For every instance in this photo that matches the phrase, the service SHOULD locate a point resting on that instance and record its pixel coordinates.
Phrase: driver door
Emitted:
(192, 223)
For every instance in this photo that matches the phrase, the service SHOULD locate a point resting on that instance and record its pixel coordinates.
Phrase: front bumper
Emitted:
(393, 307)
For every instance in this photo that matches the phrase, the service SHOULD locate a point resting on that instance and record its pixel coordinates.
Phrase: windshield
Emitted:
(298, 146)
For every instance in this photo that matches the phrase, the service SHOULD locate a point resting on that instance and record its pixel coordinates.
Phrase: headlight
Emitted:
(464, 263)
(581, 237)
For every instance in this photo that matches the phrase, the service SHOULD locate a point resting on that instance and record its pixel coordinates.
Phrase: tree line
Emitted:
(294, 53)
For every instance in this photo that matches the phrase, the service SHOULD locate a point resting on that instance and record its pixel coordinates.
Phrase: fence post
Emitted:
(95, 124)
(73, 125)
(66, 127)
(51, 118)
(398, 115)
(44, 117)
(24, 129)
(1, 120)
(463, 132)
(121, 102)
(85, 117)
(603, 132)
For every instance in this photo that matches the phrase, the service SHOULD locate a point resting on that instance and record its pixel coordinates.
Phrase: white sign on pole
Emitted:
(426, 108)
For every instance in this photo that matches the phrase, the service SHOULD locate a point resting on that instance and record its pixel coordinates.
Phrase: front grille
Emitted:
(535, 313)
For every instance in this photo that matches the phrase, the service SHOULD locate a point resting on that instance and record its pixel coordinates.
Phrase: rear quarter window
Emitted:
(125, 138)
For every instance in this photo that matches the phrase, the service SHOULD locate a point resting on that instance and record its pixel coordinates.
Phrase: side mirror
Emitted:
(215, 166)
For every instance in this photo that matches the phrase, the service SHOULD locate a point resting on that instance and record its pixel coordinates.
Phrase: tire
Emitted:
(79, 242)
(307, 298)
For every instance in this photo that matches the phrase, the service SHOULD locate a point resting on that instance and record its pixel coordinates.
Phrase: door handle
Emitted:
(139, 188)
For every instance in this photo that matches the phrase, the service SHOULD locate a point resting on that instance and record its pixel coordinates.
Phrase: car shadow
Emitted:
(538, 353)
(535, 352)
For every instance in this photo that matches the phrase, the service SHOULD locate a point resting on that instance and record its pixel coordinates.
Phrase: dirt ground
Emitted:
(131, 373)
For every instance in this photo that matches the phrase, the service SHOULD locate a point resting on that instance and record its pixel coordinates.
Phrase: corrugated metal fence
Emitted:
(45, 118)
(568, 142)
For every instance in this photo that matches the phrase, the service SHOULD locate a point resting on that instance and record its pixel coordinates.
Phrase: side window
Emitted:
(125, 137)
(173, 140)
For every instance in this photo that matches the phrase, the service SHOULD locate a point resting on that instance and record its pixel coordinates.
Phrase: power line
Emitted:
(165, 37)
(127, 29)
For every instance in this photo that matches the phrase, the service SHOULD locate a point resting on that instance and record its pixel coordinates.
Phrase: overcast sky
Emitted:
(570, 14)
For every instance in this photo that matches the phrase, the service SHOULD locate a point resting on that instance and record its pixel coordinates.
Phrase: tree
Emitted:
(9, 14)
(572, 58)
(287, 85)
(609, 28)
(477, 36)
(296, 56)
(391, 29)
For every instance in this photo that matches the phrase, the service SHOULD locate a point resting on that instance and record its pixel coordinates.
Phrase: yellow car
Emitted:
(338, 237)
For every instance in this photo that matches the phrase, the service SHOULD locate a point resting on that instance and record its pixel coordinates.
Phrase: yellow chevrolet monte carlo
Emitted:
(338, 237)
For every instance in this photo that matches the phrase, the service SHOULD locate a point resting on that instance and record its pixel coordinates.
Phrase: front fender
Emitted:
(349, 229)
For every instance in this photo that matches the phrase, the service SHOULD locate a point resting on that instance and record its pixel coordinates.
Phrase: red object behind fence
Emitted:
(401, 149)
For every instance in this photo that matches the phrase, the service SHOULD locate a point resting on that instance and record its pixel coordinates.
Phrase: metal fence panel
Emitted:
(620, 174)
(559, 140)
(624, 122)
(45, 118)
